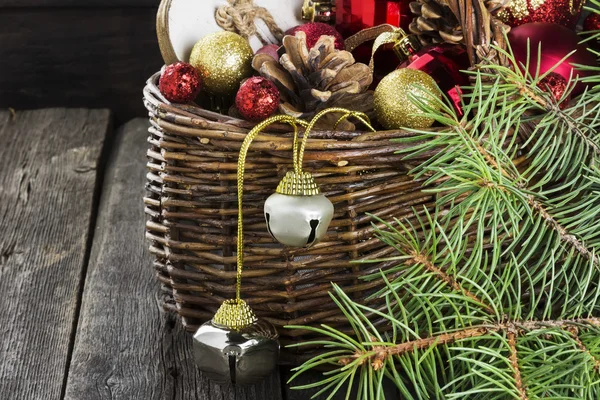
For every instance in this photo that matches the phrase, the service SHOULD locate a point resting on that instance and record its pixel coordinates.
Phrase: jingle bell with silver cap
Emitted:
(297, 214)
(235, 347)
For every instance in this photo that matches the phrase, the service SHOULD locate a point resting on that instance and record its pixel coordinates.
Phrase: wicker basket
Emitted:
(192, 204)
(192, 209)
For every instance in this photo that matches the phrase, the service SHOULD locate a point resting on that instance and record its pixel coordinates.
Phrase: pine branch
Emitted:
(564, 235)
(538, 207)
(512, 329)
(495, 295)
(574, 331)
(548, 118)
(466, 132)
(552, 108)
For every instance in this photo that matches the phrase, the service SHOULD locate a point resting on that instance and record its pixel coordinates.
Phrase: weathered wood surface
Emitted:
(49, 163)
(127, 347)
(107, 338)
(77, 57)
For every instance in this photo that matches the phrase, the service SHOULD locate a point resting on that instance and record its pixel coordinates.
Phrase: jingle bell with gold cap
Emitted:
(235, 347)
(297, 214)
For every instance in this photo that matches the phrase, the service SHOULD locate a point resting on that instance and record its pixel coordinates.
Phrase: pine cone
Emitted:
(316, 79)
(435, 22)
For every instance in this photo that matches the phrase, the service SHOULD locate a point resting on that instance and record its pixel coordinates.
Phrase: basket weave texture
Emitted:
(192, 209)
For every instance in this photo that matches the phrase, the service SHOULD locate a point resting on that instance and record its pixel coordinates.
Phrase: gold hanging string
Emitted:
(235, 313)
(294, 122)
(367, 35)
(362, 117)
(298, 157)
(295, 150)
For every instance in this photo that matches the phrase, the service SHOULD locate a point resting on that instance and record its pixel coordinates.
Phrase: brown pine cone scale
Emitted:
(434, 22)
(316, 79)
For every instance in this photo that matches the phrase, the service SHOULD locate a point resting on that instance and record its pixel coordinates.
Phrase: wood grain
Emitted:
(49, 163)
(77, 58)
(127, 347)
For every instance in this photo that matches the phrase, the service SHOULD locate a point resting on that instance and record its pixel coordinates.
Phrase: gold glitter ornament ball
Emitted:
(223, 60)
(393, 105)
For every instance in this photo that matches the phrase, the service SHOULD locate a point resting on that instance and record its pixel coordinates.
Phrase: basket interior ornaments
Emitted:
(193, 210)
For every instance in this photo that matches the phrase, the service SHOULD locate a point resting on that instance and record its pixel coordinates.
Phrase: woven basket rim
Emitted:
(189, 114)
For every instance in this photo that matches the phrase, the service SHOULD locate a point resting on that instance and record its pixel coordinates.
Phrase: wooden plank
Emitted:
(127, 347)
(49, 162)
(77, 58)
(390, 390)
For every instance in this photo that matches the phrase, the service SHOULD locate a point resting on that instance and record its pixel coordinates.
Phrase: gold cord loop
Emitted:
(294, 122)
(362, 117)
(404, 44)
(236, 313)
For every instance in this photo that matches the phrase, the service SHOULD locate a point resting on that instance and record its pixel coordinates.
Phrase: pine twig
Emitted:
(449, 280)
(515, 328)
(574, 331)
(514, 361)
(547, 106)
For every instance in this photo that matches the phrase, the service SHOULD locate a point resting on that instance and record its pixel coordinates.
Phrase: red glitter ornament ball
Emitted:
(257, 99)
(592, 22)
(314, 30)
(556, 42)
(180, 83)
(556, 85)
(562, 12)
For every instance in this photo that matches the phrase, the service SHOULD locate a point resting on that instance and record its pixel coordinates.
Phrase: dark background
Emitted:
(77, 53)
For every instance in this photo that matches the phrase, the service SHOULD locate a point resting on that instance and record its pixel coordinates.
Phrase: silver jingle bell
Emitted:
(237, 356)
(298, 215)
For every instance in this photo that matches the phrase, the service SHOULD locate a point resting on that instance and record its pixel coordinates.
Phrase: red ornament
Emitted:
(353, 16)
(314, 30)
(556, 42)
(591, 25)
(592, 22)
(257, 99)
(444, 63)
(180, 83)
(556, 85)
(271, 50)
(562, 12)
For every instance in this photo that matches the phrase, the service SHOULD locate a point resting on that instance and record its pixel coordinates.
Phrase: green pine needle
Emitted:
(494, 294)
